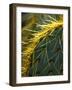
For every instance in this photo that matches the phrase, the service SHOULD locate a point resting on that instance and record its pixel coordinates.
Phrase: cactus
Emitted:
(42, 44)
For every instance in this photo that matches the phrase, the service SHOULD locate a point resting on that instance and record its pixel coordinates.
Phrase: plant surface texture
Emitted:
(41, 44)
